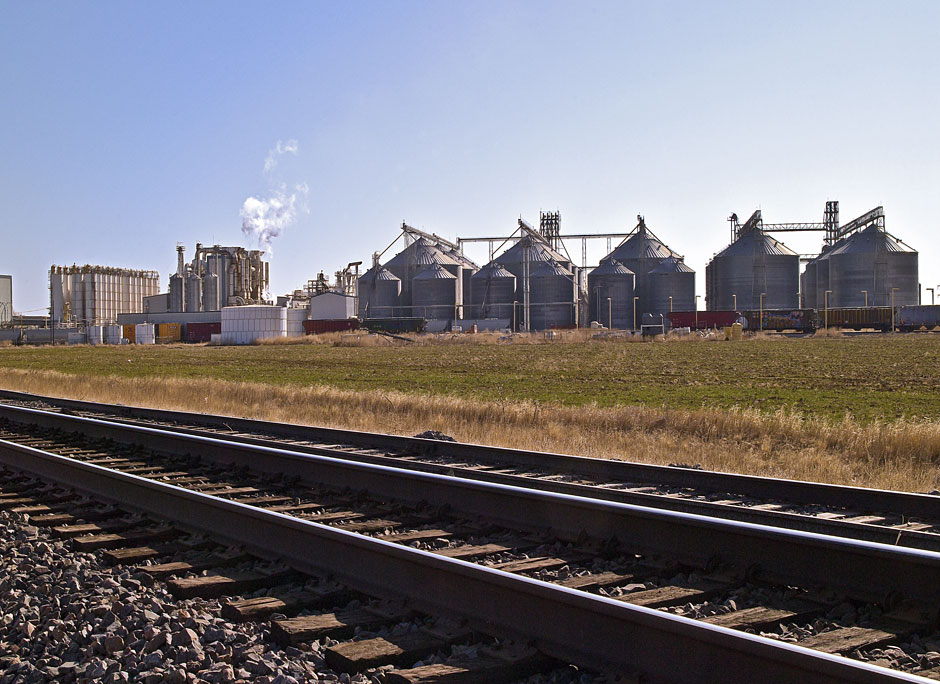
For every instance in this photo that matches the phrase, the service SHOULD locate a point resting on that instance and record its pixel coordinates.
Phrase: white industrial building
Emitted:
(332, 306)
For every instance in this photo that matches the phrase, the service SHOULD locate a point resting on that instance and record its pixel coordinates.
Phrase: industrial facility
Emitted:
(94, 295)
(863, 277)
(860, 265)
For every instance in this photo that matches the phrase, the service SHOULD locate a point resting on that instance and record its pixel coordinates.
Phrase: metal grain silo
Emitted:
(493, 292)
(210, 292)
(434, 293)
(873, 261)
(177, 292)
(553, 296)
(379, 292)
(670, 278)
(641, 252)
(513, 260)
(193, 293)
(755, 263)
(415, 258)
(611, 280)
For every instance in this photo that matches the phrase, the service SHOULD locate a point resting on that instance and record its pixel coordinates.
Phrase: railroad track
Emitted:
(887, 517)
(672, 597)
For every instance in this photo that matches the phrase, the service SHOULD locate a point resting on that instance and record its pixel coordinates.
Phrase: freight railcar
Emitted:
(924, 317)
(858, 318)
(800, 320)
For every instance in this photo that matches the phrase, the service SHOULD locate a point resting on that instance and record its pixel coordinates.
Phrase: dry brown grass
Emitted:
(896, 455)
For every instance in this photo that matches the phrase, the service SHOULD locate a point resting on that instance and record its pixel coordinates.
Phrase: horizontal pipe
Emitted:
(593, 631)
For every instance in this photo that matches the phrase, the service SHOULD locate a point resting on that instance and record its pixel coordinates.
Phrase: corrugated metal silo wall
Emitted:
(808, 285)
(641, 288)
(619, 288)
(680, 285)
(385, 298)
(493, 297)
(877, 273)
(776, 275)
(552, 301)
(434, 297)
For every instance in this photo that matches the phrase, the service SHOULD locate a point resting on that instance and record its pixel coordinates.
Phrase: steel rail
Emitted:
(593, 631)
(864, 570)
(792, 491)
(883, 534)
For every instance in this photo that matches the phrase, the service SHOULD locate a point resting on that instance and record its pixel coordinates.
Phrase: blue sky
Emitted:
(129, 126)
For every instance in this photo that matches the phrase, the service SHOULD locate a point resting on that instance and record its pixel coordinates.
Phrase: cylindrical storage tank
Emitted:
(113, 334)
(414, 259)
(808, 284)
(57, 295)
(492, 292)
(177, 293)
(611, 280)
(379, 291)
(77, 293)
(295, 322)
(513, 260)
(641, 253)
(434, 293)
(553, 296)
(88, 285)
(875, 262)
(94, 334)
(193, 293)
(671, 278)
(144, 334)
(248, 324)
(755, 263)
(210, 292)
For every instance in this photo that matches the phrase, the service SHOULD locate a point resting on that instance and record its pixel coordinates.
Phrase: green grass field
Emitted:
(870, 377)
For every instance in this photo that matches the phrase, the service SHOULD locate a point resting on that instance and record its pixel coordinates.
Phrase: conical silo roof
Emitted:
(378, 273)
(756, 242)
(421, 252)
(538, 251)
(435, 272)
(493, 270)
(611, 267)
(672, 265)
(872, 239)
(641, 245)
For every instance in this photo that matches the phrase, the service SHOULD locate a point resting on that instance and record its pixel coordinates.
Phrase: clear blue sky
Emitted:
(127, 127)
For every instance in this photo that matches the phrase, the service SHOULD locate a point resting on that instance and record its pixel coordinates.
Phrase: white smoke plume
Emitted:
(264, 218)
(280, 149)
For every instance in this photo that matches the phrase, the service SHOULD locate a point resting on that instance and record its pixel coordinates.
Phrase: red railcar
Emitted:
(330, 325)
(202, 332)
(702, 320)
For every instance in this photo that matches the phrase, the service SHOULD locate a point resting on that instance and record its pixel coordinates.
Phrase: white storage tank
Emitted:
(295, 322)
(144, 334)
(248, 324)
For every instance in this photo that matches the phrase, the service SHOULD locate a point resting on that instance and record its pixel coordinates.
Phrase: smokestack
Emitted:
(179, 260)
